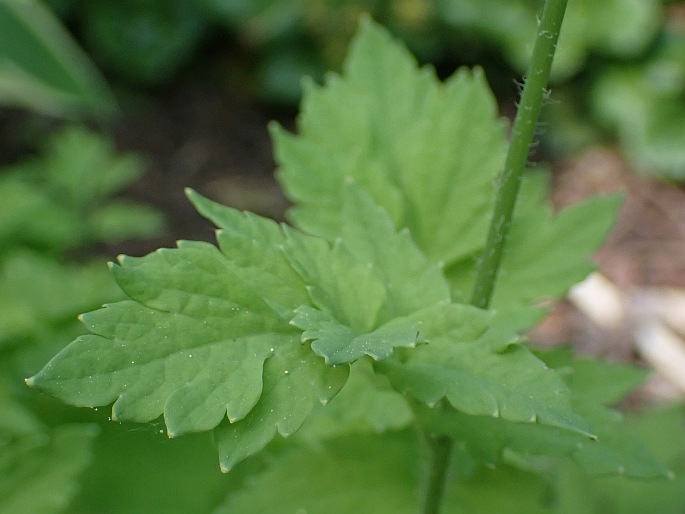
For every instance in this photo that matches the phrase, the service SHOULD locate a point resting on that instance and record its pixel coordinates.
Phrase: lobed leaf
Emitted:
(366, 404)
(339, 344)
(190, 343)
(293, 379)
(427, 153)
(212, 333)
(371, 474)
(486, 377)
(423, 151)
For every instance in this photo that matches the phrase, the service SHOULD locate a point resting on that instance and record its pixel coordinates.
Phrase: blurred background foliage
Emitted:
(620, 68)
(70, 69)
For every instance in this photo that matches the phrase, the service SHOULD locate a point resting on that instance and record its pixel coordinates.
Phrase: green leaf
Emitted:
(294, 379)
(595, 384)
(359, 286)
(661, 429)
(190, 344)
(427, 153)
(486, 377)
(366, 404)
(64, 195)
(41, 293)
(39, 474)
(500, 489)
(546, 253)
(372, 474)
(619, 450)
(401, 136)
(339, 344)
(42, 67)
(605, 382)
(172, 31)
(208, 334)
(337, 282)
(355, 474)
(588, 26)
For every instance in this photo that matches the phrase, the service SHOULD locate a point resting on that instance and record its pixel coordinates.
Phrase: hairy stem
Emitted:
(532, 98)
(527, 116)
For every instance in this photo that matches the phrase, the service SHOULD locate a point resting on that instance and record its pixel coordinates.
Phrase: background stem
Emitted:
(527, 116)
(528, 113)
(439, 453)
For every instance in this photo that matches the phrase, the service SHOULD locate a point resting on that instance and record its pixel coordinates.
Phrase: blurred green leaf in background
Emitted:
(42, 68)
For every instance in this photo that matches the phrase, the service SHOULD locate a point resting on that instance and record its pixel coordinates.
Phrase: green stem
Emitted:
(532, 98)
(439, 453)
(527, 116)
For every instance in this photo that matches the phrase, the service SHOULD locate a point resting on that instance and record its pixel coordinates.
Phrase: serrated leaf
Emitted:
(191, 345)
(546, 254)
(619, 450)
(402, 137)
(487, 439)
(207, 334)
(339, 344)
(294, 379)
(607, 383)
(411, 282)
(367, 474)
(595, 384)
(490, 376)
(427, 153)
(366, 404)
(39, 475)
(336, 281)
(358, 474)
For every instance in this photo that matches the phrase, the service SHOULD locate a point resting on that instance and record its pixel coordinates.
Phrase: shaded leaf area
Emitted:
(381, 474)
(354, 474)
(646, 113)
(138, 470)
(491, 376)
(427, 152)
(39, 468)
(581, 493)
(595, 387)
(367, 404)
(211, 333)
(614, 449)
(42, 296)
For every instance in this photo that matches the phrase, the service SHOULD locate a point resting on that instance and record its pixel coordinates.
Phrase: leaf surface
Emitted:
(546, 253)
(356, 474)
(491, 376)
(401, 136)
(210, 334)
